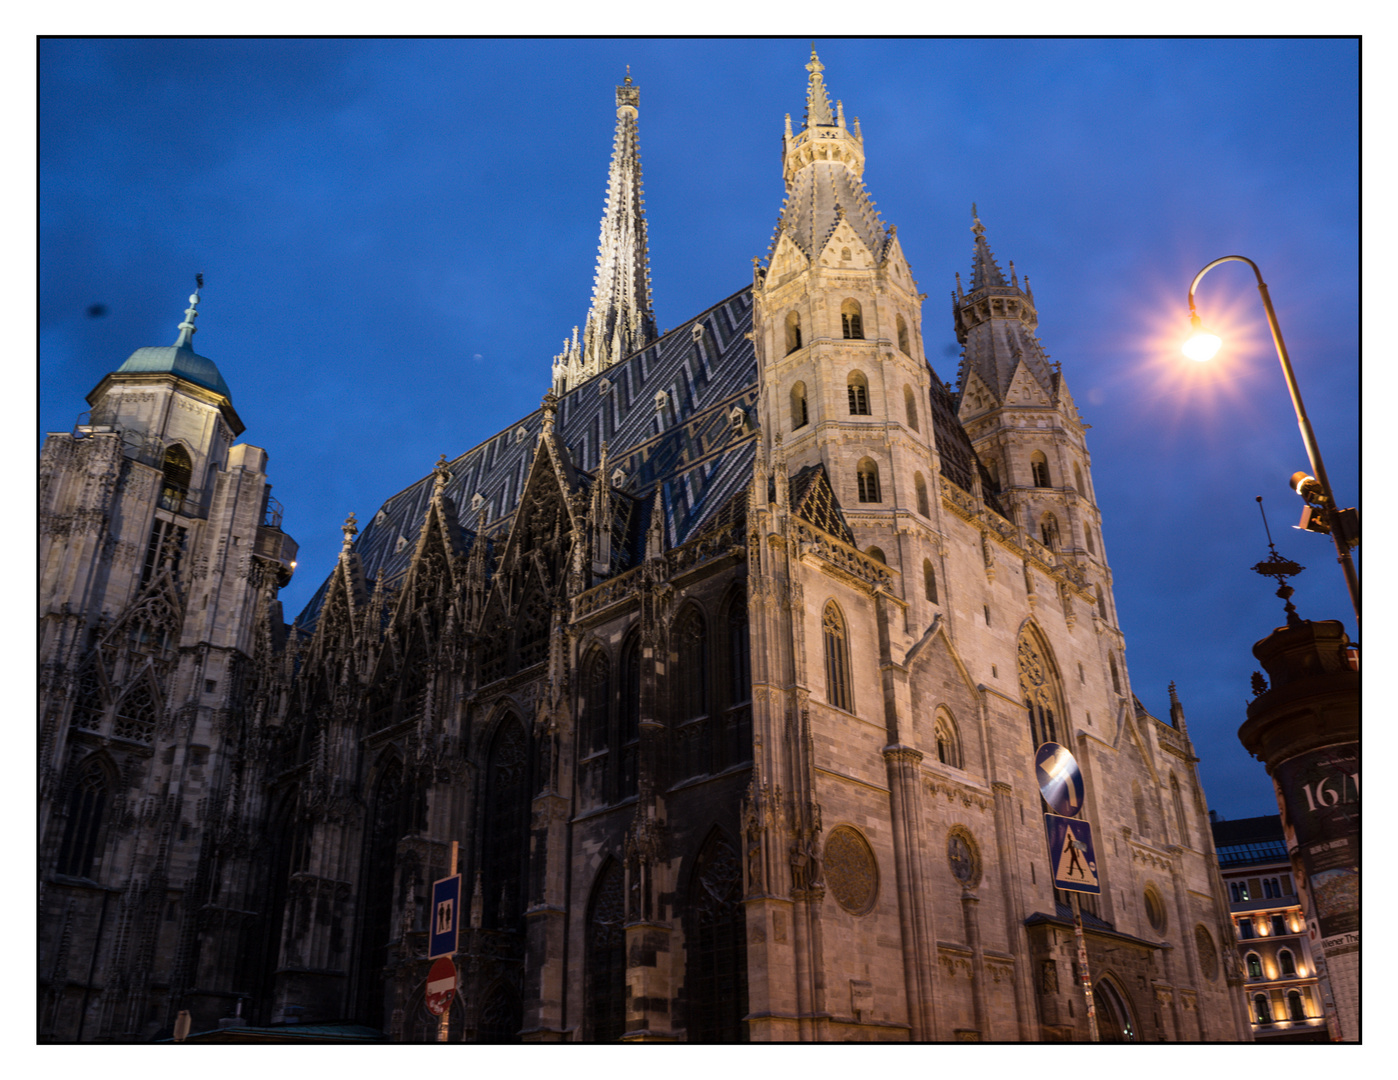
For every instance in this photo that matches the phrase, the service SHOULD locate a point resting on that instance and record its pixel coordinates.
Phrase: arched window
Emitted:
(910, 407)
(1138, 800)
(1287, 960)
(1114, 1022)
(1294, 1005)
(852, 319)
(903, 336)
(739, 663)
(599, 693)
(945, 735)
(1077, 476)
(799, 415)
(868, 476)
(1264, 1012)
(793, 332)
(629, 711)
(858, 394)
(605, 1001)
(1091, 547)
(1101, 603)
(1116, 675)
(135, 716)
(177, 469)
(920, 489)
(691, 645)
(1038, 466)
(877, 553)
(1040, 689)
(715, 930)
(929, 582)
(83, 826)
(837, 676)
(506, 841)
(1048, 531)
(1180, 822)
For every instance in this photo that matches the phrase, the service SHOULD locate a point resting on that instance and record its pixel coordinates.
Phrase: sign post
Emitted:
(1072, 857)
(443, 938)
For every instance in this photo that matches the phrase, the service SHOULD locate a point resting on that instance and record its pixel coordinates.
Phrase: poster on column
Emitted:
(1320, 791)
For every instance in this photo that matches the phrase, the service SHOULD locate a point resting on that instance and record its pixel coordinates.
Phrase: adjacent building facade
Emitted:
(725, 668)
(1273, 949)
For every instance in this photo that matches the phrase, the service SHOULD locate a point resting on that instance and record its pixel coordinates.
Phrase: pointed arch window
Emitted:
(1116, 674)
(910, 407)
(1040, 690)
(1038, 467)
(867, 476)
(694, 734)
(793, 332)
(903, 336)
(837, 674)
(852, 319)
(800, 417)
(716, 985)
(920, 489)
(947, 740)
(506, 840)
(176, 470)
(605, 1001)
(1138, 801)
(929, 582)
(858, 387)
(1077, 477)
(135, 716)
(83, 825)
(629, 712)
(599, 692)
(739, 662)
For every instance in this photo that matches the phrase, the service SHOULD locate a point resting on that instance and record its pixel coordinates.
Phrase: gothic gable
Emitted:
(845, 249)
(814, 499)
(1025, 389)
(976, 396)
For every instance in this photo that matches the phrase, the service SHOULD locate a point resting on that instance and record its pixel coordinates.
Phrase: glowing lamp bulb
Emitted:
(1201, 345)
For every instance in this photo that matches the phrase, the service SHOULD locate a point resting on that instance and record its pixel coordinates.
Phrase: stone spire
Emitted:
(817, 101)
(984, 270)
(621, 320)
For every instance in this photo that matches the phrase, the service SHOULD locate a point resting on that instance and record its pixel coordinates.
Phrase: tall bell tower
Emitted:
(838, 331)
(1021, 418)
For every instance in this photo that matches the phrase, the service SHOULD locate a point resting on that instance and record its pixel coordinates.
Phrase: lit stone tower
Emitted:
(1021, 419)
(160, 558)
(620, 320)
(839, 342)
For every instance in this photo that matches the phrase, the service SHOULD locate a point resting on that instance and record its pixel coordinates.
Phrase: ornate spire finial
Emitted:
(817, 101)
(1276, 566)
(441, 476)
(351, 529)
(550, 407)
(984, 271)
(187, 328)
(628, 74)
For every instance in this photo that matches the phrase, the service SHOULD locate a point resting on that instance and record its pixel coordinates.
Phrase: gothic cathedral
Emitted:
(725, 669)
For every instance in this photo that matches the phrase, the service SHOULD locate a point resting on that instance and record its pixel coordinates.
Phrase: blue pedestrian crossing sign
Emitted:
(446, 917)
(1071, 854)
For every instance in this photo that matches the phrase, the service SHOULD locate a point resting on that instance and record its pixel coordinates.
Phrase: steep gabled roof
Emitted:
(685, 442)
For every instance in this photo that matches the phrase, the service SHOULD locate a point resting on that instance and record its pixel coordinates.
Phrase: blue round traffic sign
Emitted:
(1060, 779)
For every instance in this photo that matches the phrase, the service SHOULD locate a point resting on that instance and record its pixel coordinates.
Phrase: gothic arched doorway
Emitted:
(1115, 1022)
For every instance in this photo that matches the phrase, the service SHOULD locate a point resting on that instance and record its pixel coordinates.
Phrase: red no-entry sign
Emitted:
(441, 986)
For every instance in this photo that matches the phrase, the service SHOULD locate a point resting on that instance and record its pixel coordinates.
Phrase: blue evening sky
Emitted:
(396, 236)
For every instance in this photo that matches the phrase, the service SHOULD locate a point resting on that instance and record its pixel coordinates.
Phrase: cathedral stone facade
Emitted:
(725, 669)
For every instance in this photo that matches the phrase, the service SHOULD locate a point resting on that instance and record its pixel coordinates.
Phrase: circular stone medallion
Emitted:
(851, 871)
(964, 856)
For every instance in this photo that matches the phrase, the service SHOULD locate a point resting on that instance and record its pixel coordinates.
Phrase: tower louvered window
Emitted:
(799, 415)
(837, 675)
(920, 488)
(177, 470)
(83, 826)
(852, 319)
(858, 394)
(868, 480)
(910, 407)
(793, 332)
(1038, 466)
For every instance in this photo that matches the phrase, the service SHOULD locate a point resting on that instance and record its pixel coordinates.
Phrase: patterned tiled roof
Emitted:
(686, 442)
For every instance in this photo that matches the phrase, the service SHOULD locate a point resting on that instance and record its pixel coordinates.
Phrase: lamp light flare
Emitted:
(1202, 346)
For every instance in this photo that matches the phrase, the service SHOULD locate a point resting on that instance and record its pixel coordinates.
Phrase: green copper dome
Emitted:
(177, 360)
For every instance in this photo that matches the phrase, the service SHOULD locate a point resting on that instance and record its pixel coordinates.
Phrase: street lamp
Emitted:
(1202, 345)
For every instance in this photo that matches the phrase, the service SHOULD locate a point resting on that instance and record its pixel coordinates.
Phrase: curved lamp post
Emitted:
(1202, 345)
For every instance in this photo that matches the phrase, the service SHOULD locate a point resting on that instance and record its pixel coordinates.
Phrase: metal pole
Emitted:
(444, 1024)
(1082, 969)
(1337, 533)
